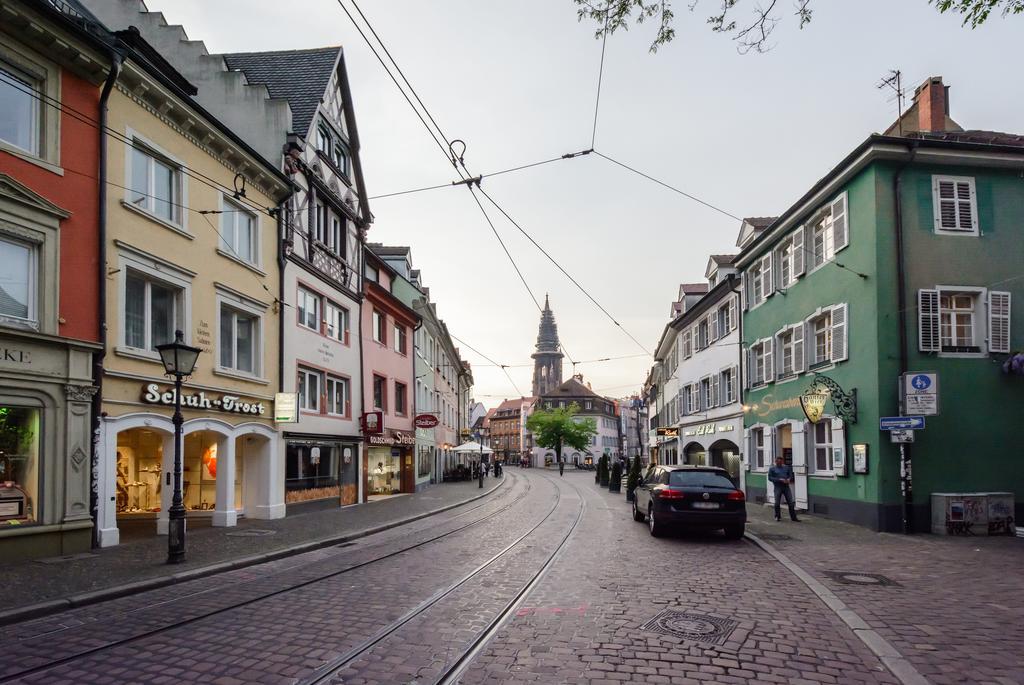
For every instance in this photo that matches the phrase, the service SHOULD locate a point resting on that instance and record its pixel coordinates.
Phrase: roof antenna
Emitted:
(893, 81)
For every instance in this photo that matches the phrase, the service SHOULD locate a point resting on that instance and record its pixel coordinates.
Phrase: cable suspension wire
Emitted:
(672, 188)
(600, 76)
(560, 268)
(481, 177)
(503, 366)
(468, 174)
(120, 137)
(444, 150)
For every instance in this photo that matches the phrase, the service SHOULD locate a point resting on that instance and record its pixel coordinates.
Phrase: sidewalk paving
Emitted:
(952, 606)
(43, 585)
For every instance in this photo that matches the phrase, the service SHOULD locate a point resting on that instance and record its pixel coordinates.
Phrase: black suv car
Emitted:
(690, 497)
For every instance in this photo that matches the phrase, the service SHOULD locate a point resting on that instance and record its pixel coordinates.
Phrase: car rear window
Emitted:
(700, 479)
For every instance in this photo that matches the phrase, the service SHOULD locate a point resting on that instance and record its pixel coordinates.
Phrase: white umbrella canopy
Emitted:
(472, 447)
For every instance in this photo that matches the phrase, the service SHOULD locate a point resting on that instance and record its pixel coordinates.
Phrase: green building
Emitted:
(908, 257)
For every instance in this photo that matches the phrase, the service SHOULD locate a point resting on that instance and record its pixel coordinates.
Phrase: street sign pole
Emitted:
(906, 487)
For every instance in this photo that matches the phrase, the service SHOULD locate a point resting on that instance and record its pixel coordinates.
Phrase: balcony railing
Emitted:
(328, 263)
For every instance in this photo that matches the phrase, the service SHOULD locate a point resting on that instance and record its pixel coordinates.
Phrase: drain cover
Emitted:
(856, 578)
(251, 533)
(698, 627)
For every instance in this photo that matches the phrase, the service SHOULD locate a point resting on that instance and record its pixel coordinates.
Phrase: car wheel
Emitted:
(637, 516)
(735, 532)
(657, 530)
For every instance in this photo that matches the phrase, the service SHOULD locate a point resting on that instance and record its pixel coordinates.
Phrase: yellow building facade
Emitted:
(191, 245)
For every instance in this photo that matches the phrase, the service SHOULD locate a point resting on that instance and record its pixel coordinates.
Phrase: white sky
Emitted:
(516, 81)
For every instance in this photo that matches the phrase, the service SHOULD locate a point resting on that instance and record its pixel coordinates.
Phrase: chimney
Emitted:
(932, 100)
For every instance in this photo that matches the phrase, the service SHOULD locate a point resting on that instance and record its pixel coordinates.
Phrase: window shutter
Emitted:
(965, 203)
(745, 289)
(928, 320)
(713, 325)
(733, 321)
(746, 368)
(769, 366)
(840, 232)
(687, 344)
(998, 321)
(839, 331)
(734, 371)
(767, 282)
(714, 391)
(798, 348)
(798, 252)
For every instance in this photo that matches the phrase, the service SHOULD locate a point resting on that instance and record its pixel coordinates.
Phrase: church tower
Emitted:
(547, 360)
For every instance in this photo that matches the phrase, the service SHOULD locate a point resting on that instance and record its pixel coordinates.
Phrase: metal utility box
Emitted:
(972, 513)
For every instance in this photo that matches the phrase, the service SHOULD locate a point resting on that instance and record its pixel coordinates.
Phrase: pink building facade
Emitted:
(388, 383)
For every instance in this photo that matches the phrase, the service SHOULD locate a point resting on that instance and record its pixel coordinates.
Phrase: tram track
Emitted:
(70, 658)
(331, 670)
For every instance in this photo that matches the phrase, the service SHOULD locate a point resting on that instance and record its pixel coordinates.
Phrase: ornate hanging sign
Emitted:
(821, 390)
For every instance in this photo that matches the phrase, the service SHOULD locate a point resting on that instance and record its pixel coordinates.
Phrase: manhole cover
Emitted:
(251, 533)
(856, 578)
(775, 536)
(699, 627)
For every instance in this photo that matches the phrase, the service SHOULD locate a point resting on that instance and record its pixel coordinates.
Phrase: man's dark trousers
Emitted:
(784, 490)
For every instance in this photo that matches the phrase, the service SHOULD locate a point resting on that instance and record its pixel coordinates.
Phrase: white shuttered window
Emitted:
(955, 205)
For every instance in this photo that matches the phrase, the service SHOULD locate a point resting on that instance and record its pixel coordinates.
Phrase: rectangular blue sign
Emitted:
(901, 423)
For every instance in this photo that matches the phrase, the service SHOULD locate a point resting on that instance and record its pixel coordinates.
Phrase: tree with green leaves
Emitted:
(751, 32)
(554, 429)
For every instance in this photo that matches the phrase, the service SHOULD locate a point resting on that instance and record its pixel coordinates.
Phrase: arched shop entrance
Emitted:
(227, 471)
(696, 455)
(725, 454)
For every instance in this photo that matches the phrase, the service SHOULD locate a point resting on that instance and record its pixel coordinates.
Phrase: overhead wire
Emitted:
(600, 74)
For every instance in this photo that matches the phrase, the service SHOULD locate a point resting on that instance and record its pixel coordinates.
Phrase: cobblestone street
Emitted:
(449, 599)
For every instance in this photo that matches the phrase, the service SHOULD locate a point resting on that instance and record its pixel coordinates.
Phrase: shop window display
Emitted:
(311, 472)
(139, 455)
(385, 471)
(19, 465)
(199, 477)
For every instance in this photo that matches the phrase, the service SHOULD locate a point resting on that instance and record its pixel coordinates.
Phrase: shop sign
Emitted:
(667, 431)
(286, 407)
(233, 404)
(813, 403)
(13, 354)
(373, 422)
(425, 421)
(708, 429)
(391, 438)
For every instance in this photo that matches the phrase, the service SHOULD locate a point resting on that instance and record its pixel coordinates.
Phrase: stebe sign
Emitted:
(425, 421)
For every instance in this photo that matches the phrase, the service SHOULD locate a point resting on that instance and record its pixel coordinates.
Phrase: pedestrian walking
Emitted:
(561, 466)
(781, 477)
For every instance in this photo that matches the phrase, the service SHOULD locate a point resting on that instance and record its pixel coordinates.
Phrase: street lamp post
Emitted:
(179, 361)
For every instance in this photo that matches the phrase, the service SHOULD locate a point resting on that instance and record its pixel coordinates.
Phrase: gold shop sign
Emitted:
(392, 438)
(813, 403)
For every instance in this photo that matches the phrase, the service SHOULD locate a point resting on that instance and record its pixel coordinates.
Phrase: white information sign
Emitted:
(920, 394)
(286, 407)
(898, 437)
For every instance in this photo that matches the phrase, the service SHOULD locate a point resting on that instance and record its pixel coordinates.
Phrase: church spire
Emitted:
(547, 367)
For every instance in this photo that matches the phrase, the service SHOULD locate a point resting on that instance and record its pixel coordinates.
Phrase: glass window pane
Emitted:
(139, 194)
(19, 112)
(19, 463)
(135, 312)
(163, 189)
(245, 237)
(244, 329)
(161, 314)
(15, 286)
(227, 321)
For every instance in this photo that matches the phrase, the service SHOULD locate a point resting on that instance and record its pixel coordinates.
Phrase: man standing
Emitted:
(781, 477)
